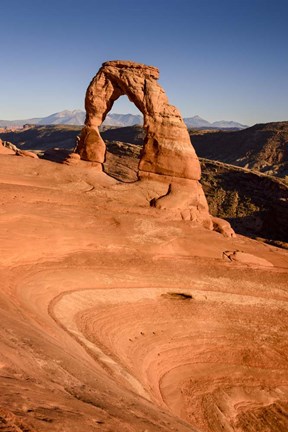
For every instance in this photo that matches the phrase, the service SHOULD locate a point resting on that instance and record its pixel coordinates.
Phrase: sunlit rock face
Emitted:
(167, 156)
(167, 147)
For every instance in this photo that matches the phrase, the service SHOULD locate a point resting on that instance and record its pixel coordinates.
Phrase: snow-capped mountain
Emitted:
(224, 124)
(77, 117)
(196, 121)
(123, 120)
(199, 122)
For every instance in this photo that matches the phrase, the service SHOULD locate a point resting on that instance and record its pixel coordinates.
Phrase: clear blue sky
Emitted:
(220, 59)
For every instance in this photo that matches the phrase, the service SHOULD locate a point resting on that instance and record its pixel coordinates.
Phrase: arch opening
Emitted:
(124, 136)
(123, 105)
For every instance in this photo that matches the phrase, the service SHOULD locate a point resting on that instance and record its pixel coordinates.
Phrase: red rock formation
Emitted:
(167, 155)
(167, 147)
(26, 153)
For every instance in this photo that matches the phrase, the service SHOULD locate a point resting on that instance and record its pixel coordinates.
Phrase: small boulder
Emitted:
(223, 227)
(72, 159)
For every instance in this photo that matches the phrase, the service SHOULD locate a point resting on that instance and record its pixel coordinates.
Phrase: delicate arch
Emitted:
(167, 148)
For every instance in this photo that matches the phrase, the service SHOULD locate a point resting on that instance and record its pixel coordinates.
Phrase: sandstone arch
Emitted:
(167, 157)
(167, 148)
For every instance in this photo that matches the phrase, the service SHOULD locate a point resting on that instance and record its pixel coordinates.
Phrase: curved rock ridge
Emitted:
(167, 147)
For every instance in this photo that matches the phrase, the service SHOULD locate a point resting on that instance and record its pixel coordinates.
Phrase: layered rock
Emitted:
(8, 148)
(167, 152)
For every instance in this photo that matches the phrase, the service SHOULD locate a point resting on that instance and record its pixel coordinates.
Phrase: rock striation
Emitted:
(167, 156)
(175, 329)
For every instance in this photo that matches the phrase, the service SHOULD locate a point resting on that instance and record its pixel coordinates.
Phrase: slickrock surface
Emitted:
(116, 318)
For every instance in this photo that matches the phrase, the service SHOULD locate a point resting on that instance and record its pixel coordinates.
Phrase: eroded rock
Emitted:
(246, 258)
(26, 153)
(6, 149)
(167, 154)
(223, 227)
(167, 147)
(72, 159)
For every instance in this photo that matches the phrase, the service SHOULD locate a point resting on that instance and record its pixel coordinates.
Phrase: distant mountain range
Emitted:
(77, 117)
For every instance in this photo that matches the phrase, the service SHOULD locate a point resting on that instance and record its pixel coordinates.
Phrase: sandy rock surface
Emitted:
(115, 317)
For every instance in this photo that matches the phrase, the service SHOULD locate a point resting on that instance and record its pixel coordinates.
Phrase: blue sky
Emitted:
(221, 59)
